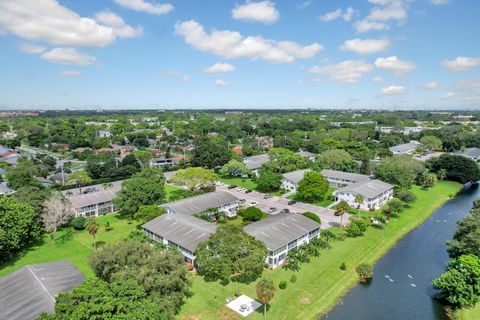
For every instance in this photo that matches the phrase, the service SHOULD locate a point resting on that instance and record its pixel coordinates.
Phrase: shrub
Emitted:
(357, 227)
(252, 214)
(108, 227)
(312, 216)
(343, 266)
(365, 272)
(406, 196)
(293, 279)
(283, 284)
(78, 223)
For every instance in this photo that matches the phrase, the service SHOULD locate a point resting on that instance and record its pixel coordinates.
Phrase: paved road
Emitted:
(326, 215)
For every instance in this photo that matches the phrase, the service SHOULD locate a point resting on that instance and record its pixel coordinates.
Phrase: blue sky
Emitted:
(411, 54)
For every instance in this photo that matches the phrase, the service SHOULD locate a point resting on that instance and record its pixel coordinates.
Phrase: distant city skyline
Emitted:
(318, 54)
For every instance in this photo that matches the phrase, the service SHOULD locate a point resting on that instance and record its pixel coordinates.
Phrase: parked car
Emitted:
(272, 210)
(231, 187)
(240, 189)
(242, 200)
(218, 183)
(291, 202)
(253, 203)
(285, 211)
(248, 191)
(267, 196)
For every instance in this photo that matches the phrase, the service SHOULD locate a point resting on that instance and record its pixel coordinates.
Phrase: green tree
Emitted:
(265, 292)
(161, 272)
(194, 178)
(209, 154)
(457, 168)
(359, 199)
(143, 156)
(312, 216)
(231, 254)
(460, 284)
(466, 239)
(148, 212)
(395, 205)
(342, 207)
(269, 180)
(19, 226)
(97, 299)
(23, 175)
(312, 187)
(284, 160)
(365, 272)
(79, 178)
(92, 227)
(253, 214)
(399, 170)
(235, 168)
(333, 159)
(430, 180)
(144, 188)
(431, 143)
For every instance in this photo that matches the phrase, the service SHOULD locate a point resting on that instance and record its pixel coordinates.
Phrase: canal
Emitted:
(401, 287)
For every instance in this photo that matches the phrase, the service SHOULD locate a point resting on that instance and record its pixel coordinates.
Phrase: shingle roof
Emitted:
(184, 230)
(280, 229)
(369, 189)
(200, 203)
(470, 153)
(255, 162)
(295, 176)
(334, 174)
(100, 193)
(306, 154)
(31, 290)
(406, 147)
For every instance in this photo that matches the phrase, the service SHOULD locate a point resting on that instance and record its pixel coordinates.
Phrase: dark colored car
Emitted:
(285, 211)
(267, 196)
(291, 202)
(231, 187)
(248, 191)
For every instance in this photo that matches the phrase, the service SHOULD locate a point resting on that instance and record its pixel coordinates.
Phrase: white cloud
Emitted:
(69, 73)
(120, 28)
(220, 68)
(431, 85)
(31, 48)
(221, 83)
(349, 71)
(439, 2)
(144, 6)
(365, 46)
(231, 44)
(264, 12)
(304, 5)
(449, 95)
(377, 79)
(332, 15)
(461, 63)
(394, 90)
(395, 11)
(176, 74)
(186, 77)
(472, 98)
(49, 21)
(467, 84)
(68, 56)
(395, 65)
(363, 26)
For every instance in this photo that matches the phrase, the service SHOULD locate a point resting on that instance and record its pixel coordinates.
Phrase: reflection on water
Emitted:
(401, 287)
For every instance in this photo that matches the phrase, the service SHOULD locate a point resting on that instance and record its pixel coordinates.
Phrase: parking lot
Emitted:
(258, 199)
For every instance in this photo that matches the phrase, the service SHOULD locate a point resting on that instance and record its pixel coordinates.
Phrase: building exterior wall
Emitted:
(187, 254)
(277, 258)
(97, 209)
(289, 185)
(368, 203)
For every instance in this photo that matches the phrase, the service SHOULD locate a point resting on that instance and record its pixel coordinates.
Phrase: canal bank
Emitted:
(401, 287)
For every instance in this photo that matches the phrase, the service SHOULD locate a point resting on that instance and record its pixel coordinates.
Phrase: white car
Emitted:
(253, 203)
(219, 184)
(240, 189)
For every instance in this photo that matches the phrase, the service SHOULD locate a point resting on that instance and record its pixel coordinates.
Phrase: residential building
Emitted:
(254, 163)
(307, 155)
(264, 142)
(32, 290)
(291, 179)
(375, 194)
(93, 200)
(281, 233)
(5, 190)
(103, 134)
(162, 162)
(180, 231)
(472, 153)
(220, 200)
(406, 148)
(338, 179)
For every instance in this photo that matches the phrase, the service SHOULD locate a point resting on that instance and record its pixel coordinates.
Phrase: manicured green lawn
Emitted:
(239, 182)
(75, 246)
(468, 314)
(320, 283)
(323, 203)
(169, 189)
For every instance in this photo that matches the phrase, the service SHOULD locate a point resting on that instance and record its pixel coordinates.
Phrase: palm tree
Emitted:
(442, 174)
(92, 227)
(342, 208)
(265, 292)
(359, 199)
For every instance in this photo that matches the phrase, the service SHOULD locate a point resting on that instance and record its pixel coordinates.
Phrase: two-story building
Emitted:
(338, 179)
(375, 194)
(281, 233)
(254, 163)
(291, 179)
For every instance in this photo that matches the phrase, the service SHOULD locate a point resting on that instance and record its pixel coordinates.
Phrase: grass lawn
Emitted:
(170, 189)
(75, 246)
(320, 283)
(239, 182)
(468, 314)
(323, 203)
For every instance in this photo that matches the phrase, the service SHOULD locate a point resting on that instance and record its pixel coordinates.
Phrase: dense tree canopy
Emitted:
(399, 170)
(457, 168)
(268, 180)
(231, 254)
(312, 187)
(209, 154)
(235, 168)
(284, 160)
(194, 178)
(466, 239)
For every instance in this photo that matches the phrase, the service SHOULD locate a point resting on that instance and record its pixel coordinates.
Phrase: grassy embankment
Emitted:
(320, 283)
(468, 314)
